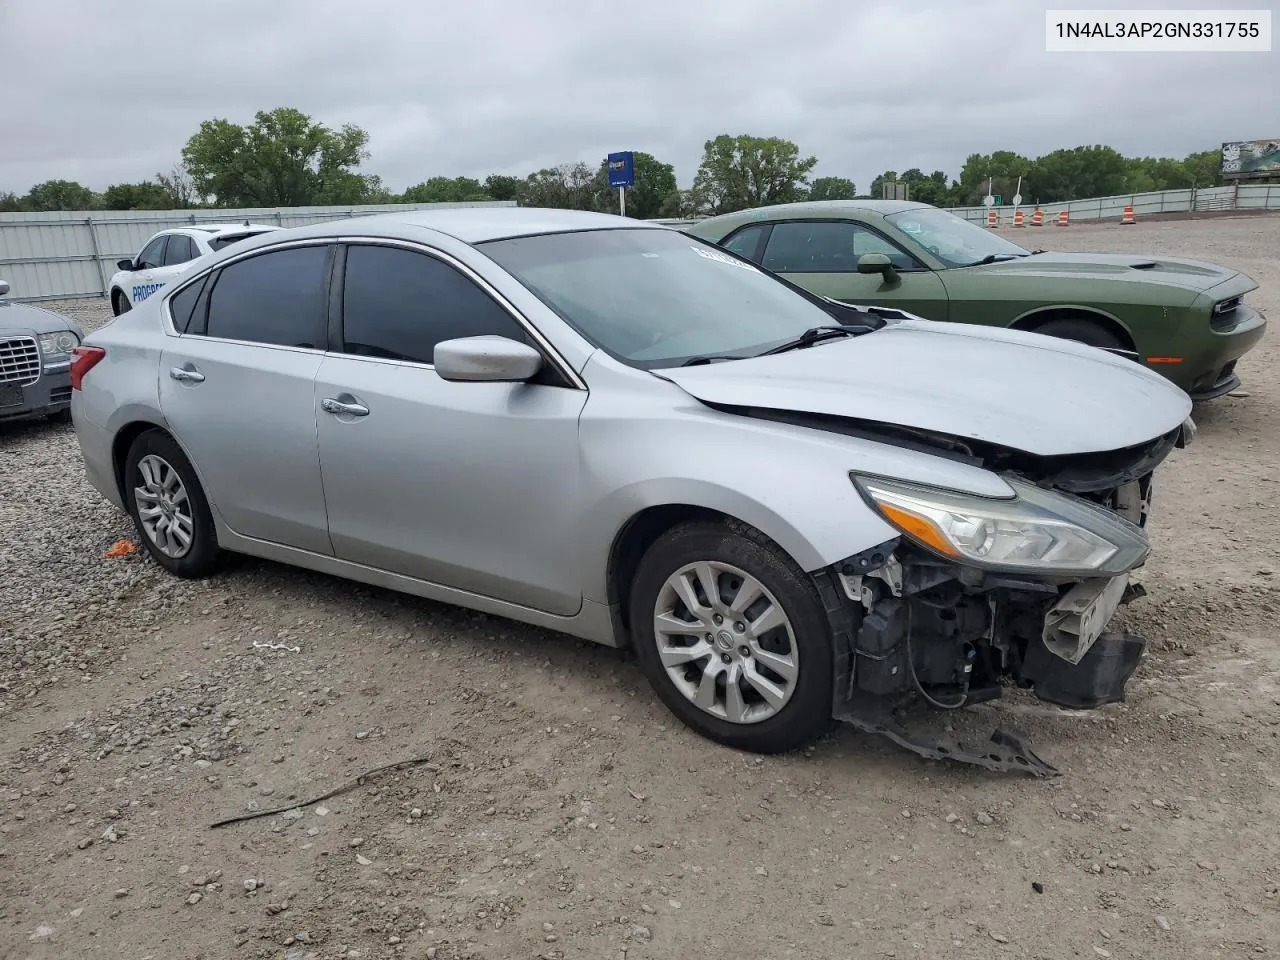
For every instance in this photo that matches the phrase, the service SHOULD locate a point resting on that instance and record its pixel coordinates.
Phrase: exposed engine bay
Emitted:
(913, 626)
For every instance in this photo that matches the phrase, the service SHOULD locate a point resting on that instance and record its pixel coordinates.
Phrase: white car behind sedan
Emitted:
(167, 254)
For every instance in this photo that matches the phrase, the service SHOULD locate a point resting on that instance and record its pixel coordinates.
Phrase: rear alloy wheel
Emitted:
(1088, 332)
(732, 636)
(169, 507)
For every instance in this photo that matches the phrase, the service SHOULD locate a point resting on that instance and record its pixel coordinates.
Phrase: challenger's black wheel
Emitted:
(732, 636)
(1079, 329)
(169, 507)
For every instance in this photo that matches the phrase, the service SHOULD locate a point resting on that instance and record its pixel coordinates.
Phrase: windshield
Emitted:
(953, 240)
(656, 298)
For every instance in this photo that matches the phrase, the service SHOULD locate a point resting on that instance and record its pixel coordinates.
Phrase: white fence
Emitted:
(1260, 196)
(69, 254)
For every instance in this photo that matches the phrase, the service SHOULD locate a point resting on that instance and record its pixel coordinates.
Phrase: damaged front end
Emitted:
(978, 594)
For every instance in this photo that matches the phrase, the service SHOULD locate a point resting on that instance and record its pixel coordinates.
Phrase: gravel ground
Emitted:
(560, 812)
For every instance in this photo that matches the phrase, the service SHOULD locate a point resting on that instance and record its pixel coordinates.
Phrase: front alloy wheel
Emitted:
(726, 642)
(732, 636)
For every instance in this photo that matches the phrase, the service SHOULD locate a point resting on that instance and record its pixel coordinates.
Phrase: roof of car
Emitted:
(829, 208)
(478, 224)
(217, 228)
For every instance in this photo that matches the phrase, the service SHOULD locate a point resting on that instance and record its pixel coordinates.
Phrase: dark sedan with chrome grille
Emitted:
(35, 361)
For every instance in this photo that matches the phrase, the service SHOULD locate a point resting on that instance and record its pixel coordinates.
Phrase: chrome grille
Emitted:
(19, 360)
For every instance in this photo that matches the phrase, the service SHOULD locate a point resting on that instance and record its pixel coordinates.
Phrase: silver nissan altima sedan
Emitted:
(795, 510)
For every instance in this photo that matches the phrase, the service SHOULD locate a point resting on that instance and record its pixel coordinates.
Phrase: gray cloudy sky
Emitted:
(104, 91)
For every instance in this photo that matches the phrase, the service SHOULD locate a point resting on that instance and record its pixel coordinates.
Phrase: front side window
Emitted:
(746, 242)
(827, 246)
(398, 304)
(152, 254)
(277, 298)
(655, 298)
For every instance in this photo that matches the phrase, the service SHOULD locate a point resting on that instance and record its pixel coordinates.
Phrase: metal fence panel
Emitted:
(69, 254)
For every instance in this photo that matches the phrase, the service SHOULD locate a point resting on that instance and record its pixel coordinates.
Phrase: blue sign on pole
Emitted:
(622, 171)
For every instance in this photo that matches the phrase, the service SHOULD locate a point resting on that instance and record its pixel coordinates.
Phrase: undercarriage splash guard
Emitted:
(1006, 752)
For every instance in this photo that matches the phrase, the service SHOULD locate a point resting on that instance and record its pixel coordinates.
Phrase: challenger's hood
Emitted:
(1191, 275)
(1026, 391)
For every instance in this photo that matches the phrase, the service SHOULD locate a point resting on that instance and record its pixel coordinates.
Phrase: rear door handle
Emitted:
(187, 374)
(339, 407)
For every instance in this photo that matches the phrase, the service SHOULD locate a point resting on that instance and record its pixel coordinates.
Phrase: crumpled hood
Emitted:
(1024, 391)
(1193, 275)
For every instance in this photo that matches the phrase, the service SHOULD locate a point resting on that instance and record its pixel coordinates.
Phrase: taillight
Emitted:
(84, 359)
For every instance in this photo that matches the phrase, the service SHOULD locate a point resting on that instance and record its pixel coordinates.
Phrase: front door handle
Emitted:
(187, 374)
(339, 407)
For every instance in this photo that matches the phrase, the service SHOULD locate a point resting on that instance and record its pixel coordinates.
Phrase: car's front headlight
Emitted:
(1036, 530)
(56, 344)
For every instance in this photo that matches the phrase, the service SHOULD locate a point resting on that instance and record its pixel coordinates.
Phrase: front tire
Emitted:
(120, 303)
(732, 636)
(169, 507)
(1088, 332)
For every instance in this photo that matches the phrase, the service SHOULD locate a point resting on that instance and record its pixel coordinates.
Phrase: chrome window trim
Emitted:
(557, 359)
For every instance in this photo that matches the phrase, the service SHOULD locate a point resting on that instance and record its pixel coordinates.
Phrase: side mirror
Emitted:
(489, 358)
(877, 263)
(124, 265)
(4, 287)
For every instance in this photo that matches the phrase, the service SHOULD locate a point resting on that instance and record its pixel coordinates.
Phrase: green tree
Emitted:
(446, 190)
(1204, 169)
(655, 182)
(745, 171)
(500, 187)
(178, 186)
(1003, 167)
(60, 195)
(832, 188)
(10, 202)
(147, 195)
(1078, 172)
(569, 186)
(283, 158)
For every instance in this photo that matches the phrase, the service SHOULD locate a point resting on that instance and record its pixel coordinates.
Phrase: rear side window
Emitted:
(182, 303)
(277, 298)
(398, 304)
(180, 250)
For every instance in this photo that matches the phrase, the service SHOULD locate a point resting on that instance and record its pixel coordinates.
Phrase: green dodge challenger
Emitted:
(1184, 318)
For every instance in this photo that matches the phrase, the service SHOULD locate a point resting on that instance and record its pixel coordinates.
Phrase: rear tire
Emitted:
(169, 508)
(1089, 332)
(774, 650)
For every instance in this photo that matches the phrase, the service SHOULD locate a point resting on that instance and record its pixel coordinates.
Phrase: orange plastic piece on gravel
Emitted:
(121, 548)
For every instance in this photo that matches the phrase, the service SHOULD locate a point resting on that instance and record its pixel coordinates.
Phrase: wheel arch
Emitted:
(123, 439)
(1038, 316)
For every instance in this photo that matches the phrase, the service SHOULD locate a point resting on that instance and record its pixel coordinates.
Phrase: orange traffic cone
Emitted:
(1037, 218)
(1127, 216)
(1062, 218)
(993, 218)
(1017, 219)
